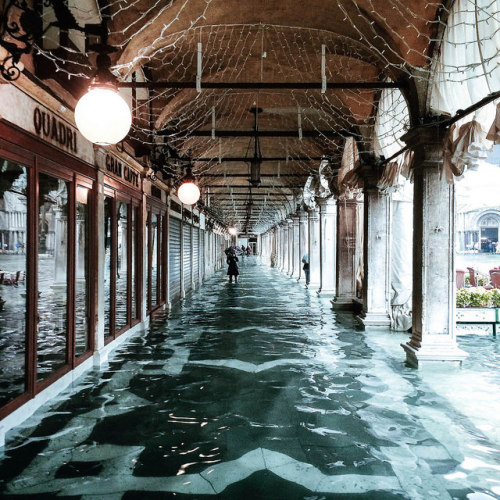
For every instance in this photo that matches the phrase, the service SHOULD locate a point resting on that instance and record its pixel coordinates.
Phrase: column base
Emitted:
(434, 354)
(313, 286)
(326, 293)
(374, 319)
(343, 303)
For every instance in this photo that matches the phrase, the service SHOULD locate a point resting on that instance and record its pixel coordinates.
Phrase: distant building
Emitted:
(477, 229)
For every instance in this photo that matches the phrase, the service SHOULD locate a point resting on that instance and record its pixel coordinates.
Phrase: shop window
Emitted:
(108, 271)
(82, 270)
(52, 275)
(135, 263)
(122, 217)
(13, 242)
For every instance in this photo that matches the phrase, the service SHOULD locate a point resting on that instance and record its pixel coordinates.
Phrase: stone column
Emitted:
(376, 258)
(347, 254)
(303, 241)
(284, 244)
(328, 246)
(290, 246)
(433, 324)
(314, 249)
(295, 273)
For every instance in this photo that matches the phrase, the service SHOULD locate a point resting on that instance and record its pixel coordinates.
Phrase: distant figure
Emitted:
(232, 270)
(243, 250)
(305, 267)
(249, 250)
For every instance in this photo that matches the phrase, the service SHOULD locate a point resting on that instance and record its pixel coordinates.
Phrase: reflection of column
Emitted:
(61, 248)
(328, 245)
(100, 254)
(376, 258)
(313, 248)
(347, 254)
(303, 240)
(295, 247)
(433, 329)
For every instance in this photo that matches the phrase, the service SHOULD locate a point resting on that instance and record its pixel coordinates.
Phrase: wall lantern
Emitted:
(188, 192)
(102, 115)
(233, 231)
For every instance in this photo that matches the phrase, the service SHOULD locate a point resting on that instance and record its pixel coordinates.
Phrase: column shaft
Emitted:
(376, 259)
(314, 249)
(328, 246)
(296, 249)
(347, 254)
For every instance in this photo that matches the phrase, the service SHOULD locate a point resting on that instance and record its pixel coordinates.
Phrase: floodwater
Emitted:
(258, 390)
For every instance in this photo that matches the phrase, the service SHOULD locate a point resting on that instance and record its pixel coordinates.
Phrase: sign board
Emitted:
(54, 128)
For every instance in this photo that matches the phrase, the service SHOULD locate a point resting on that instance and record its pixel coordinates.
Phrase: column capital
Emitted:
(428, 141)
(303, 216)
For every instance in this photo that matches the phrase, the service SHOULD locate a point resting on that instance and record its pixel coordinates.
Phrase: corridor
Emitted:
(259, 390)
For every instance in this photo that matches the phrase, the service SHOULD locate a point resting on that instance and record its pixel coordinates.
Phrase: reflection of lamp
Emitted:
(256, 161)
(102, 115)
(188, 192)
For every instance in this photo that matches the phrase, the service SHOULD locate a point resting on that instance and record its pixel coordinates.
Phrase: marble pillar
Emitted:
(347, 254)
(303, 241)
(296, 265)
(433, 321)
(328, 246)
(314, 249)
(376, 259)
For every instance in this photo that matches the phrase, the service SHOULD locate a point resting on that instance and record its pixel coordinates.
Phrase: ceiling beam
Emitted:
(264, 85)
(245, 159)
(265, 133)
(246, 175)
(262, 186)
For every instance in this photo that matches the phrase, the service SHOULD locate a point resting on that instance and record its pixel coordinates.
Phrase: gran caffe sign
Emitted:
(118, 168)
(53, 128)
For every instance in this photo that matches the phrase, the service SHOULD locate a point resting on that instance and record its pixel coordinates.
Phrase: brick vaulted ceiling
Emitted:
(265, 41)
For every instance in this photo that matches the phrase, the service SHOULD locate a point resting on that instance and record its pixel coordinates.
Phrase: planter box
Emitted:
(477, 319)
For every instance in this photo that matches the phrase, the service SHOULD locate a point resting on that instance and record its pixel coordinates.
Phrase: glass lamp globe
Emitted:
(188, 193)
(233, 231)
(102, 116)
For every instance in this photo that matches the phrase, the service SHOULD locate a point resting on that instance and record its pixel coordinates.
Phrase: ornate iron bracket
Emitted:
(20, 26)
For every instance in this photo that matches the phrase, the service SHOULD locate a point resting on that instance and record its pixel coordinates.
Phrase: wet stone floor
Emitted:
(258, 390)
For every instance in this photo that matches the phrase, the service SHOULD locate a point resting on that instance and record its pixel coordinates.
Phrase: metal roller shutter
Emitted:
(202, 254)
(174, 258)
(196, 254)
(187, 258)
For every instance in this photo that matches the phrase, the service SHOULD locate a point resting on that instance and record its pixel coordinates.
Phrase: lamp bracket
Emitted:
(20, 26)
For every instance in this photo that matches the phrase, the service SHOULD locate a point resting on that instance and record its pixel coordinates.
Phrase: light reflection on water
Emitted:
(319, 397)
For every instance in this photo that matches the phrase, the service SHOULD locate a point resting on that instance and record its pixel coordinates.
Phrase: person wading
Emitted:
(232, 270)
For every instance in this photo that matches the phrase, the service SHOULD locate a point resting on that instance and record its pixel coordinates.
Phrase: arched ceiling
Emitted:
(264, 42)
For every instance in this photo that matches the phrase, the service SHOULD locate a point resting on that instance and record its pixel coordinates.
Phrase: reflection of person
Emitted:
(232, 270)
(305, 267)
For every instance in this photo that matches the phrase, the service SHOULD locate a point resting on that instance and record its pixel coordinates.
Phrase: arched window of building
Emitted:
(488, 228)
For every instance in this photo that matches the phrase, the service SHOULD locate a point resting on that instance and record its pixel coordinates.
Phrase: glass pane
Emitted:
(121, 262)
(108, 208)
(154, 258)
(13, 224)
(82, 312)
(135, 314)
(52, 274)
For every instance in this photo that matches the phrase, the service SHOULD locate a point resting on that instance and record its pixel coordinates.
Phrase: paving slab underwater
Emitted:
(259, 390)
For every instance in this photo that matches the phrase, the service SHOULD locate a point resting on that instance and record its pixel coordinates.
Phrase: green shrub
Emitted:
(478, 297)
(495, 297)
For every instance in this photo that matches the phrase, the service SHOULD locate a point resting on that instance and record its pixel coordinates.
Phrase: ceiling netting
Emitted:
(346, 41)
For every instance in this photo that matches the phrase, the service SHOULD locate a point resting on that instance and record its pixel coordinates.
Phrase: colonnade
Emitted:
(350, 241)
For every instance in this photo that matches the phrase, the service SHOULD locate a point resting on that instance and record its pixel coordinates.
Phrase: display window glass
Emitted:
(13, 303)
(52, 338)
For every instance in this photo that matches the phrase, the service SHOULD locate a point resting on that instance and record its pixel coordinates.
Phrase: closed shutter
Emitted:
(187, 258)
(196, 254)
(174, 258)
(202, 254)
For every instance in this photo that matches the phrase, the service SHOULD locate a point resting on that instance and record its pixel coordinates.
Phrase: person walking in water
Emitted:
(232, 270)
(305, 267)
